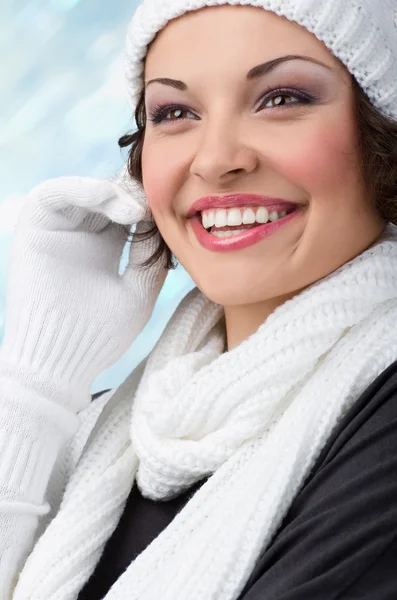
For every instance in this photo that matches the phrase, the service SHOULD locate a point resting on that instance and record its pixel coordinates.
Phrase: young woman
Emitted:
(253, 454)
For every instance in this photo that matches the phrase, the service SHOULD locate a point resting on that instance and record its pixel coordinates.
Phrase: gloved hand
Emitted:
(69, 314)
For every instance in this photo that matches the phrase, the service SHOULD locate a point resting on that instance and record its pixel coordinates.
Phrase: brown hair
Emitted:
(377, 147)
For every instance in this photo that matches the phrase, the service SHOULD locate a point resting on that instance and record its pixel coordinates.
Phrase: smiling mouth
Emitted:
(227, 238)
(272, 217)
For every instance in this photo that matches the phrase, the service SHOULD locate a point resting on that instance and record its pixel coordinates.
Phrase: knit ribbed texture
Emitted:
(33, 431)
(361, 33)
(255, 418)
(69, 315)
(26, 460)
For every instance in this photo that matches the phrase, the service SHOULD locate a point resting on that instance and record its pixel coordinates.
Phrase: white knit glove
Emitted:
(69, 314)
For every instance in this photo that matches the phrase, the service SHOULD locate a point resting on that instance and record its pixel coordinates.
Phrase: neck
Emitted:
(243, 321)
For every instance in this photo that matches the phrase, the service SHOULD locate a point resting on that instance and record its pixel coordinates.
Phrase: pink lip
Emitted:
(232, 200)
(243, 240)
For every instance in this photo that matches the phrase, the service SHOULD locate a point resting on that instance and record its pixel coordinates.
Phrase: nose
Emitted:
(222, 155)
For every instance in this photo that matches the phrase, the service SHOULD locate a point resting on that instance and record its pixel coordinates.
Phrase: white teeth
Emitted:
(208, 218)
(234, 216)
(227, 233)
(238, 216)
(248, 216)
(262, 215)
(220, 218)
(273, 216)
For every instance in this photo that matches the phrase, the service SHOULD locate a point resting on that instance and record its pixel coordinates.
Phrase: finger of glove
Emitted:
(80, 294)
(81, 202)
(77, 251)
(147, 281)
(142, 248)
(132, 189)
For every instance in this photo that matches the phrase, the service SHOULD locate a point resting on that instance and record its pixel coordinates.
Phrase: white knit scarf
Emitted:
(256, 418)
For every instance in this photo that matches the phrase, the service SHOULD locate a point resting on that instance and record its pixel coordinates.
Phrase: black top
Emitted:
(339, 538)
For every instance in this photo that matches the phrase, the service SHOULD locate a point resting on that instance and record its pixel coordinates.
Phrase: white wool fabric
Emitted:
(253, 419)
(361, 33)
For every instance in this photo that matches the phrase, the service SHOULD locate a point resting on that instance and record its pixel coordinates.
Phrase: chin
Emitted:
(228, 293)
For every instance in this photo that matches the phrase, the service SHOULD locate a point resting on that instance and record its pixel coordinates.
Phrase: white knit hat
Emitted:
(361, 33)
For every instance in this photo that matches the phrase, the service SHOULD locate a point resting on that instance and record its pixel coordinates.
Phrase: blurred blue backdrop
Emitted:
(63, 107)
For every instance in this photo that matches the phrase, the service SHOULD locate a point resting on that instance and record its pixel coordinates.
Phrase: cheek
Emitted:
(154, 178)
(322, 161)
(160, 176)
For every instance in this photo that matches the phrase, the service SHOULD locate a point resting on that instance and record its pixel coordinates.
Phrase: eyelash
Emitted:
(159, 112)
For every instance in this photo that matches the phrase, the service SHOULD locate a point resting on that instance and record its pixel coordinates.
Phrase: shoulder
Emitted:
(371, 419)
(344, 521)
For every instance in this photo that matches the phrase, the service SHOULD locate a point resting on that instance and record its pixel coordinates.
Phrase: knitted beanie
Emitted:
(361, 33)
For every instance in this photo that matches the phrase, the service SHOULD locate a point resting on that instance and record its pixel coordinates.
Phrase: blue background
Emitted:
(63, 107)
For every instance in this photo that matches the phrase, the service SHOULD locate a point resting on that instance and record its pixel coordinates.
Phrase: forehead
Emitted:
(229, 34)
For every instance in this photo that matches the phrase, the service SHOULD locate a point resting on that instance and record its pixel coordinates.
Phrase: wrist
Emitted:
(74, 396)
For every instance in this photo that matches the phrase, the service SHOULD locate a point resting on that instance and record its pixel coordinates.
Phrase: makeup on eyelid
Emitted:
(288, 83)
(159, 112)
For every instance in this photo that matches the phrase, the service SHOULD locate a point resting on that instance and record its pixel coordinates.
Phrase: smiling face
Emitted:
(226, 127)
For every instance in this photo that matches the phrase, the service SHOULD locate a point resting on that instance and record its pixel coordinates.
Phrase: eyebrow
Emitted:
(254, 73)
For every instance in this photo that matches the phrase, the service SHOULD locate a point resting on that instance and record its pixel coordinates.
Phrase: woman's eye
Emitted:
(275, 99)
(280, 101)
(282, 98)
(169, 114)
